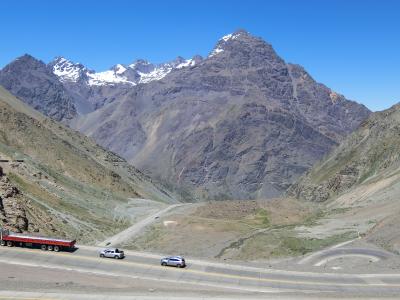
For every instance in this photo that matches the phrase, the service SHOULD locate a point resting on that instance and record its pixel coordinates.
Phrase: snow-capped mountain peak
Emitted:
(226, 39)
(66, 70)
(119, 69)
(140, 71)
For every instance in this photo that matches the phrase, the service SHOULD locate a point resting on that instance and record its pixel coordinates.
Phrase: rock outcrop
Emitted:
(12, 211)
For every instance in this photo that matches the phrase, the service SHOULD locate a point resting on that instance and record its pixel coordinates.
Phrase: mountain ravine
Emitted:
(239, 124)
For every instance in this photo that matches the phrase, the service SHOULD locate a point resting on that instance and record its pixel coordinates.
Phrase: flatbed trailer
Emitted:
(14, 239)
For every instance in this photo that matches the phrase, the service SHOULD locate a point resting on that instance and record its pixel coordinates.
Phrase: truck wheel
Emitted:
(101, 255)
(43, 247)
(116, 257)
(9, 244)
(57, 248)
(164, 264)
(50, 248)
(2, 243)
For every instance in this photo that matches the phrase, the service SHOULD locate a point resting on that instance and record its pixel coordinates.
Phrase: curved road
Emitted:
(322, 257)
(201, 274)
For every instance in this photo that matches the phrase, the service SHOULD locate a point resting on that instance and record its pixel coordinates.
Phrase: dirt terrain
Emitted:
(236, 230)
(265, 230)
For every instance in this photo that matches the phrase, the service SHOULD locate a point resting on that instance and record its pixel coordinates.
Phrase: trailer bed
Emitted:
(38, 240)
(10, 239)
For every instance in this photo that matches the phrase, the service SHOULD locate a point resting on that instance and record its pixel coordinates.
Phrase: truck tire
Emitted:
(50, 247)
(56, 248)
(10, 244)
(101, 255)
(43, 247)
(116, 257)
(2, 243)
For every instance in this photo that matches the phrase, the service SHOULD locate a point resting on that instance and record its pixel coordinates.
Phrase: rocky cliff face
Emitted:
(12, 212)
(369, 154)
(33, 82)
(240, 124)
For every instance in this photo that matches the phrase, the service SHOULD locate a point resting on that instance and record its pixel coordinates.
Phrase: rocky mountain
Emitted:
(92, 90)
(242, 123)
(63, 89)
(56, 181)
(34, 82)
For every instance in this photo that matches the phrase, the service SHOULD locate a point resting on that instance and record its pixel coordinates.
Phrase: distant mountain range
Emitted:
(239, 124)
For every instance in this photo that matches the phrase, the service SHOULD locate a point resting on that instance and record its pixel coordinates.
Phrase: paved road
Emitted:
(137, 228)
(204, 274)
(338, 251)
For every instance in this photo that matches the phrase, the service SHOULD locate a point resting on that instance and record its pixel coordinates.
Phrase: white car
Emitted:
(112, 253)
(174, 261)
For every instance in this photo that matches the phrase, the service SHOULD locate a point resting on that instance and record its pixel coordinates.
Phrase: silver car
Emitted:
(174, 261)
(112, 253)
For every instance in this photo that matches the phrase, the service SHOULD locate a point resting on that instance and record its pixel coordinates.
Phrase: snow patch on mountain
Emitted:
(219, 48)
(156, 74)
(216, 51)
(107, 78)
(186, 63)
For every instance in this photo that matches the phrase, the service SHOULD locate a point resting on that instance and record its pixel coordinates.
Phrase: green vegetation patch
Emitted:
(262, 216)
(313, 218)
(296, 246)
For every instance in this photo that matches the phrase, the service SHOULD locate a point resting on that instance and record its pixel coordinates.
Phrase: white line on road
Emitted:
(333, 257)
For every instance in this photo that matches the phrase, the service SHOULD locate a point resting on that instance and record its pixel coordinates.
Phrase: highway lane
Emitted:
(203, 273)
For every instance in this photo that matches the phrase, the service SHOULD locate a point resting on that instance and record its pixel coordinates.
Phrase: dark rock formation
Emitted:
(34, 83)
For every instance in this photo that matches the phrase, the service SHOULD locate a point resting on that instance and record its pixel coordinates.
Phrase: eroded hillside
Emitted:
(64, 177)
(362, 179)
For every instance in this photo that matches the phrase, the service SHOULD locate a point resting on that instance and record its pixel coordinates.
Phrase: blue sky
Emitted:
(351, 46)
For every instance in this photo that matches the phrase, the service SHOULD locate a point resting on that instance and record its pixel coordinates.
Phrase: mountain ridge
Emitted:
(212, 106)
(33, 81)
(241, 123)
